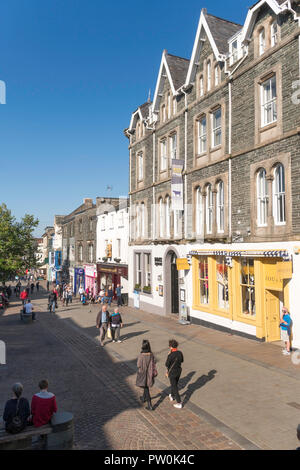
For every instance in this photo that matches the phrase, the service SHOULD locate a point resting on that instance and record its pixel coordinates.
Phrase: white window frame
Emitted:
(199, 212)
(141, 166)
(279, 195)
(268, 101)
(173, 147)
(168, 216)
(220, 207)
(163, 155)
(262, 41)
(274, 33)
(201, 86)
(174, 105)
(216, 128)
(161, 218)
(208, 71)
(202, 135)
(138, 268)
(209, 208)
(262, 198)
(216, 75)
(234, 57)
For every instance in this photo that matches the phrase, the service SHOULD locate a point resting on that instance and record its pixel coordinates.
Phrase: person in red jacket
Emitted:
(23, 296)
(43, 405)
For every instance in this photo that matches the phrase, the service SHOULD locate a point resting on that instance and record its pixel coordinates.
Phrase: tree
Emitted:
(17, 244)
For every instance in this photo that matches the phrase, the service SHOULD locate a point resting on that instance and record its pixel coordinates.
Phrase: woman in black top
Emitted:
(10, 410)
(173, 365)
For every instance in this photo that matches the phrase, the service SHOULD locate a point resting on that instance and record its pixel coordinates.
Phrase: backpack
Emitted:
(16, 425)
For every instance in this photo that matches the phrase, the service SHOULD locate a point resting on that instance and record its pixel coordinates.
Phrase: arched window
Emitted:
(161, 218)
(279, 195)
(274, 33)
(262, 41)
(142, 215)
(220, 207)
(216, 75)
(208, 69)
(199, 212)
(80, 252)
(168, 217)
(209, 208)
(91, 252)
(201, 86)
(262, 198)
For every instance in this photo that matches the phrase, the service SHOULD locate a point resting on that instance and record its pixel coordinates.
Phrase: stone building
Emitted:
(214, 177)
(112, 243)
(79, 243)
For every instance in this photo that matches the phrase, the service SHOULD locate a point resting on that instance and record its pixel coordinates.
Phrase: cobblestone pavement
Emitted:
(241, 387)
(98, 386)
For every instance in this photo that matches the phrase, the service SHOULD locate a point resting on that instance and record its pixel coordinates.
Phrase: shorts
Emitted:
(284, 335)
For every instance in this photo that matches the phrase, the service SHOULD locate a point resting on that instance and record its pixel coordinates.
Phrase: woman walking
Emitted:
(146, 373)
(116, 323)
(173, 365)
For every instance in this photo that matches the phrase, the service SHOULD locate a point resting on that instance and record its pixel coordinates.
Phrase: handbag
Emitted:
(168, 371)
(109, 333)
(16, 425)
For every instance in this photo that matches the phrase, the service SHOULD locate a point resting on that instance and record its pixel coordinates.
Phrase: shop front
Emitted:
(91, 278)
(242, 291)
(79, 279)
(110, 275)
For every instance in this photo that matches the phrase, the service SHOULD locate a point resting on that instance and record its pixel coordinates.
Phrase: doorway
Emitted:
(174, 285)
(272, 316)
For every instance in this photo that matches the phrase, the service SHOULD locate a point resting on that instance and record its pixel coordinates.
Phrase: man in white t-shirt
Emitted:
(29, 309)
(81, 292)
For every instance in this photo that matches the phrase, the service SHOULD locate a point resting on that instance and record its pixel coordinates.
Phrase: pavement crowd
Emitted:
(237, 393)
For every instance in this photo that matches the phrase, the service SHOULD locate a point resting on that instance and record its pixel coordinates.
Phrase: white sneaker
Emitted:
(171, 398)
(178, 405)
(119, 341)
(113, 341)
(286, 353)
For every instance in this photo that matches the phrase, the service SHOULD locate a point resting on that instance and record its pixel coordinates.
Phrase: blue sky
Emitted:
(74, 71)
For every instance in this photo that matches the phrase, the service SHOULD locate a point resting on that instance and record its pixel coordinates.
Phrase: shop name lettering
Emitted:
(273, 279)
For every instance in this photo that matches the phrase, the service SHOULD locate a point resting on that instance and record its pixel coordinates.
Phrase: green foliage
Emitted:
(17, 244)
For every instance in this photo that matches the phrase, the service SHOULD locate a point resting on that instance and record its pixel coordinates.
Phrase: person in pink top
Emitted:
(43, 405)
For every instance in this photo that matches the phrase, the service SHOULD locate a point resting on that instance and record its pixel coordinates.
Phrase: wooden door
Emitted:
(272, 316)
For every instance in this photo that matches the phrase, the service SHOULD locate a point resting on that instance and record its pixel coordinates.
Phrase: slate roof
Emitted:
(145, 109)
(222, 30)
(178, 67)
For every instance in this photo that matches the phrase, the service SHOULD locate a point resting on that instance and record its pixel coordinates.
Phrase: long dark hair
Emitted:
(146, 348)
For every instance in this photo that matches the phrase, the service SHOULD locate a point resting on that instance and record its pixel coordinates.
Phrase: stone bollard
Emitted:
(62, 436)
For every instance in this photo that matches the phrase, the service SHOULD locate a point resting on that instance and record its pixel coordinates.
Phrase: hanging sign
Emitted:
(177, 185)
(285, 269)
(182, 264)
(273, 281)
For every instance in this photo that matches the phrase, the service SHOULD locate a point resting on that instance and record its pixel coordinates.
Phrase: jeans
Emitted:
(52, 304)
(109, 300)
(174, 388)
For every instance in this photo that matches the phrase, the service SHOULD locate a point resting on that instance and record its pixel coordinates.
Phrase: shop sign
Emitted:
(285, 269)
(273, 281)
(182, 264)
(90, 271)
(158, 261)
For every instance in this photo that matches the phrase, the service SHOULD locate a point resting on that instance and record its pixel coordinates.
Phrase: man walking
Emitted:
(119, 295)
(102, 322)
(52, 299)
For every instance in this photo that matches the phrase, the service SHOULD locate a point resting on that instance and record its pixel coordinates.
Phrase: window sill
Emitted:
(214, 149)
(267, 127)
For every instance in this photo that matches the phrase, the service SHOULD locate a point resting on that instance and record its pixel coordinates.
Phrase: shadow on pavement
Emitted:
(199, 383)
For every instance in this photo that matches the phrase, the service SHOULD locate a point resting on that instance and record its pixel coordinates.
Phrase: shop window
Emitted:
(203, 280)
(147, 270)
(222, 283)
(248, 287)
(138, 264)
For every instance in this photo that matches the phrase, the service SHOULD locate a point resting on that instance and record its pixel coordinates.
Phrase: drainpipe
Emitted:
(185, 160)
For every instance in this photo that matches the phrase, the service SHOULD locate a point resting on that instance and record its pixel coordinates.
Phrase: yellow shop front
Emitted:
(244, 287)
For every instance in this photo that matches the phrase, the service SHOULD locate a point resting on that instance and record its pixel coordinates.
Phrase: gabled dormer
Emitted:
(216, 31)
(171, 77)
